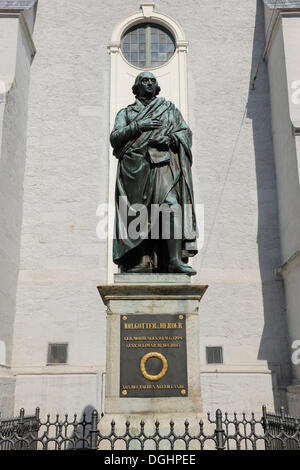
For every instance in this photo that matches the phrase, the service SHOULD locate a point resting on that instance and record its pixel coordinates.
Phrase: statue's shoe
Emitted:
(140, 268)
(181, 268)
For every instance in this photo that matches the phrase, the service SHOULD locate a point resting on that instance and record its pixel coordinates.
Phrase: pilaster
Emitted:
(281, 54)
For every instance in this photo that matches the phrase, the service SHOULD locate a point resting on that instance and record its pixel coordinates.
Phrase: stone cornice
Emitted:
(151, 292)
(280, 13)
(234, 369)
(58, 369)
(18, 13)
(292, 263)
(281, 4)
(19, 5)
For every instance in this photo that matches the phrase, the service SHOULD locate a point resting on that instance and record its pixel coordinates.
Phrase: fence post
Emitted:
(220, 444)
(20, 431)
(264, 417)
(94, 431)
(22, 414)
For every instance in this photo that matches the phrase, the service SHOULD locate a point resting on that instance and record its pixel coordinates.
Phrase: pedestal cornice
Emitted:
(151, 291)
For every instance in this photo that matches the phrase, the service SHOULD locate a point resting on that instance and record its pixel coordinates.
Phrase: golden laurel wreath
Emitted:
(143, 366)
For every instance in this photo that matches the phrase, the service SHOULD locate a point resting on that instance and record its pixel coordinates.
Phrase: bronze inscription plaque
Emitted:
(153, 360)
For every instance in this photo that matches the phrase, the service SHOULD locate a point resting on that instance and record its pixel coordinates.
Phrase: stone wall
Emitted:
(62, 261)
(15, 58)
(284, 73)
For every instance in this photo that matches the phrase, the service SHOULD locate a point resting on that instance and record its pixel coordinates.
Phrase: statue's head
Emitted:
(145, 85)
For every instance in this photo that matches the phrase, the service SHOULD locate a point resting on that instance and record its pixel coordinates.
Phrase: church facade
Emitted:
(232, 70)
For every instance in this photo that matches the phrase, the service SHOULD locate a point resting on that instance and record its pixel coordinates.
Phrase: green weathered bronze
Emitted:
(153, 145)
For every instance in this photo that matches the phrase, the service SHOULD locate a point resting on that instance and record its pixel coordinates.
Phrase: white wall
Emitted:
(284, 72)
(66, 178)
(15, 59)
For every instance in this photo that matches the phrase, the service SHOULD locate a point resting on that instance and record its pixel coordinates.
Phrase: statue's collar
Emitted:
(141, 104)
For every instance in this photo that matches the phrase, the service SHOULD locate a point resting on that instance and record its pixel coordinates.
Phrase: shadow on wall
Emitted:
(80, 437)
(274, 342)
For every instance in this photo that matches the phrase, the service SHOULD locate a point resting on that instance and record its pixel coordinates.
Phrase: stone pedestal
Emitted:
(153, 296)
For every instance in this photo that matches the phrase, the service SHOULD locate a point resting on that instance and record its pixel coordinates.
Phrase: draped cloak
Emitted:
(137, 175)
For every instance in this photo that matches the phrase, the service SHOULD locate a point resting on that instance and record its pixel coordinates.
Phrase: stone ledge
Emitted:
(151, 292)
(149, 278)
(292, 263)
(57, 370)
(125, 406)
(282, 4)
(235, 369)
(17, 4)
(16, 11)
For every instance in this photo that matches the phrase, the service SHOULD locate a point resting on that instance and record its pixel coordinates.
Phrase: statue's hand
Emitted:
(149, 124)
(161, 143)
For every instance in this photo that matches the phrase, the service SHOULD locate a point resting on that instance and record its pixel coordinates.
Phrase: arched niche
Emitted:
(172, 78)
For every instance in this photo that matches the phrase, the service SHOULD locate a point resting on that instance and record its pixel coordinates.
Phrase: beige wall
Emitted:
(67, 175)
(284, 75)
(16, 50)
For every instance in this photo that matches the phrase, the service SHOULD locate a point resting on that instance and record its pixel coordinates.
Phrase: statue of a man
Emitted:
(153, 144)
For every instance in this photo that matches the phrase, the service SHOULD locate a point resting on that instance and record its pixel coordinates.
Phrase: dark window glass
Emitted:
(147, 46)
(214, 355)
(57, 353)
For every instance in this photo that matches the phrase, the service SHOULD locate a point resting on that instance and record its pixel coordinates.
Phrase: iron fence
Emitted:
(13, 430)
(91, 432)
(285, 428)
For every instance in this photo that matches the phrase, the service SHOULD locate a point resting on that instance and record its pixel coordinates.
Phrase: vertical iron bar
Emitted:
(21, 426)
(94, 431)
(220, 444)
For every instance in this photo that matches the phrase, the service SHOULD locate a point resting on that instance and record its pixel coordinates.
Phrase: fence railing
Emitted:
(12, 431)
(282, 425)
(91, 432)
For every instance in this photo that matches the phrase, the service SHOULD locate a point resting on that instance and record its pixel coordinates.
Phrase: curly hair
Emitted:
(135, 88)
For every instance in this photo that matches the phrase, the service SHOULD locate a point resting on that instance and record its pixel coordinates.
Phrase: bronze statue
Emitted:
(153, 144)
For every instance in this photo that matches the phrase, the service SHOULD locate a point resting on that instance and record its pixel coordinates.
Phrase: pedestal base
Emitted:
(152, 296)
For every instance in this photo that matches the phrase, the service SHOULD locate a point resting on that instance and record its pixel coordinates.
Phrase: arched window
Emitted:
(147, 45)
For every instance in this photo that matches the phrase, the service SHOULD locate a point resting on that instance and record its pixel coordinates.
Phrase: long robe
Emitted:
(141, 179)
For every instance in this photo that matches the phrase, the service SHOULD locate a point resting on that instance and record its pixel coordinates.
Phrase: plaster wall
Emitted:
(67, 175)
(15, 60)
(57, 393)
(284, 140)
(284, 72)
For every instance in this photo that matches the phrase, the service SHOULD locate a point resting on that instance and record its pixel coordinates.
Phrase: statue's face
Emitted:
(147, 84)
